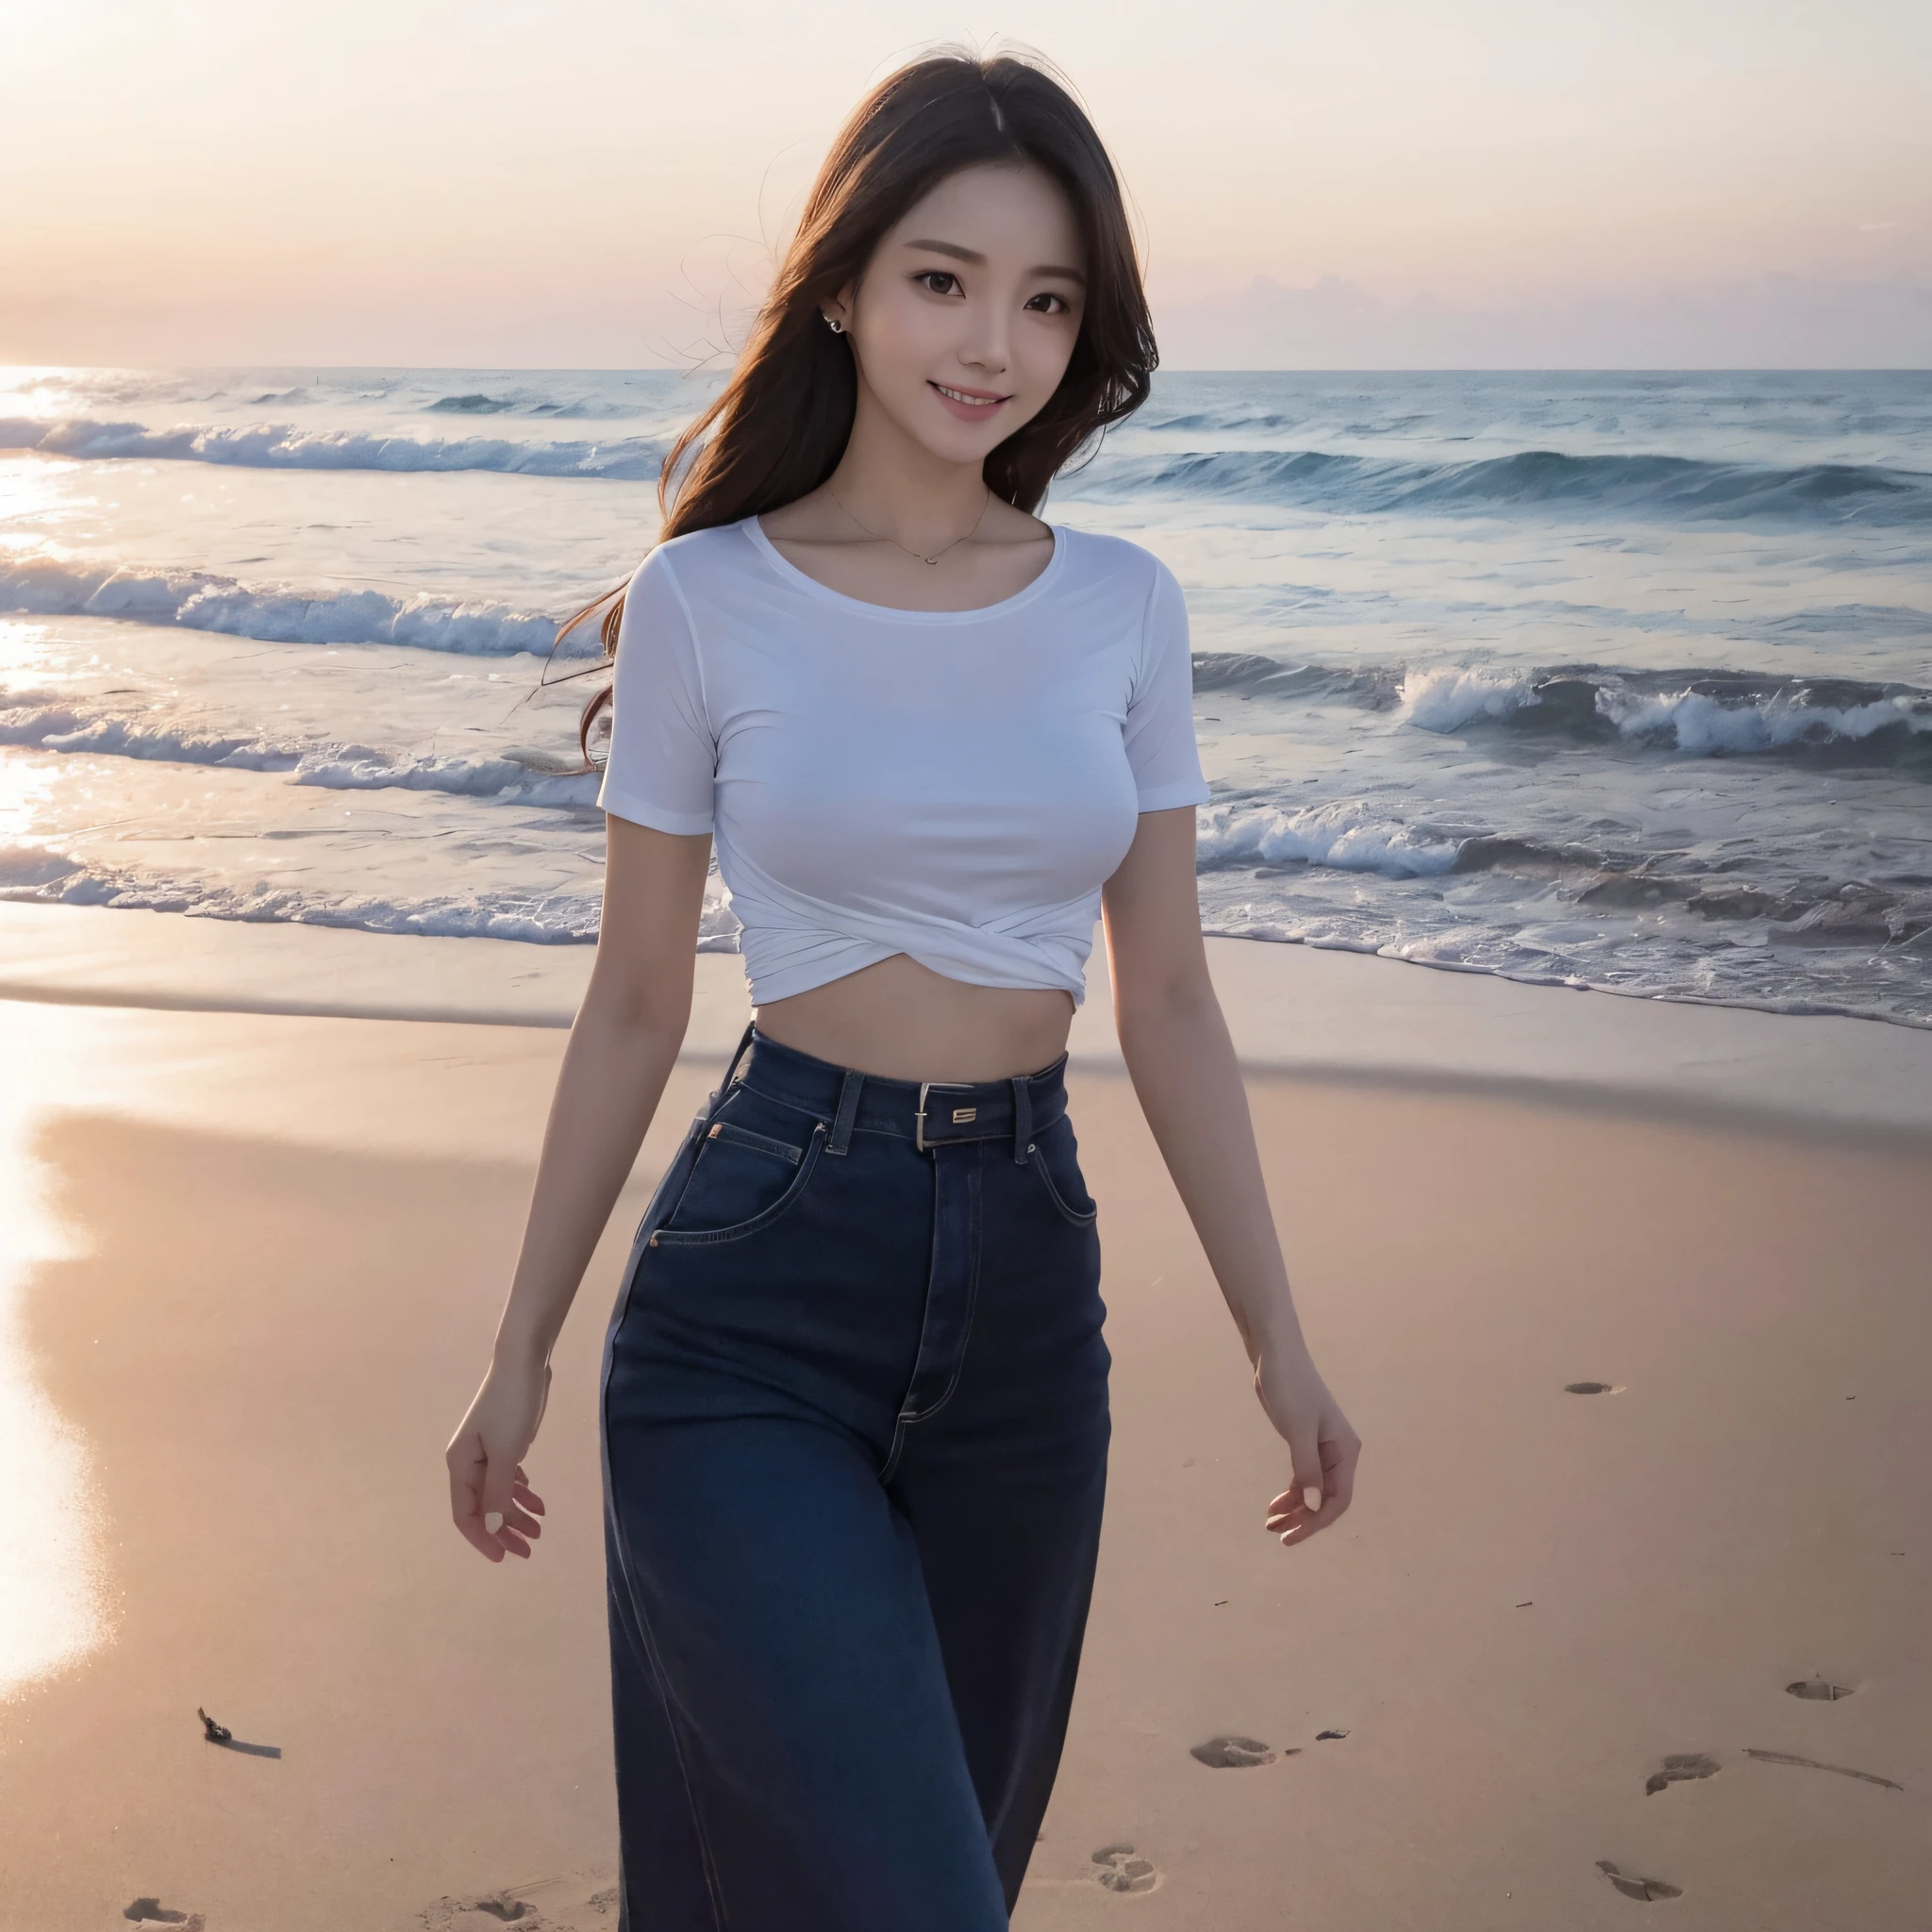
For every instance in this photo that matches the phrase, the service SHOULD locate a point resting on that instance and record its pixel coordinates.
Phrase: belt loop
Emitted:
(848, 1112)
(730, 1072)
(1022, 1118)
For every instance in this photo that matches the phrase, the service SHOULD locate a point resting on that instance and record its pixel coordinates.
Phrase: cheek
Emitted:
(902, 337)
(1042, 355)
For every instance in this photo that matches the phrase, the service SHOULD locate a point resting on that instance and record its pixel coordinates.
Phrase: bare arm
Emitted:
(621, 1053)
(1182, 1063)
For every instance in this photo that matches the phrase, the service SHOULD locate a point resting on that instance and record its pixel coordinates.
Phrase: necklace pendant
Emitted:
(929, 559)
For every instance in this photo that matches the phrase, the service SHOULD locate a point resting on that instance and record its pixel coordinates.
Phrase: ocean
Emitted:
(1619, 681)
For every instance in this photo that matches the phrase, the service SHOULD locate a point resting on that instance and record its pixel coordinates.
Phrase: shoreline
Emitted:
(1340, 1018)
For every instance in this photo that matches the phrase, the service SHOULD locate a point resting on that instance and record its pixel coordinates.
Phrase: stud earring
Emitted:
(833, 324)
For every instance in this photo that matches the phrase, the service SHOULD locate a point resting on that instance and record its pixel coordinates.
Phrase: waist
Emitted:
(899, 1019)
(929, 1113)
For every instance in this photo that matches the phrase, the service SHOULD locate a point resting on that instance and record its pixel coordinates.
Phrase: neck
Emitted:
(898, 487)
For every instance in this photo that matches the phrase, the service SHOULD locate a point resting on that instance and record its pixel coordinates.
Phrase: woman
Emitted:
(855, 1392)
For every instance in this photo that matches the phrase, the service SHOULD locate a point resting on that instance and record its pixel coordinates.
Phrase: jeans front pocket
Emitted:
(752, 1165)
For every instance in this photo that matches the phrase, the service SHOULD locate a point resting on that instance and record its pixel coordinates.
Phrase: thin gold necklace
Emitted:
(880, 536)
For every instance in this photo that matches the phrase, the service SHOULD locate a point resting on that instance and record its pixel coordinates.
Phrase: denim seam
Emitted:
(739, 1230)
(675, 1721)
(1053, 1194)
(732, 1135)
(966, 1322)
(673, 1716)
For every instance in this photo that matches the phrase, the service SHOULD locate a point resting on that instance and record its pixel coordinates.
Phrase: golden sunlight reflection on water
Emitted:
(27, 490)
(52, 1596)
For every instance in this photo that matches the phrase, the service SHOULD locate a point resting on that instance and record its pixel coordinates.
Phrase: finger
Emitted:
(1287, 1506)
(524, 1523)
(512, 1542)
(475, 1534)
(526, 1498)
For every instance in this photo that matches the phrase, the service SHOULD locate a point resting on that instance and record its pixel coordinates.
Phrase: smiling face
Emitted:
(967, 314)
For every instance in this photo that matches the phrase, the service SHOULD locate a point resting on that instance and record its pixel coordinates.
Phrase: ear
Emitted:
(838, 311)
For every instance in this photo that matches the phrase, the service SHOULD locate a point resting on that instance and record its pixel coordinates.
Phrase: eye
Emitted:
(940, 281)
(1060, 303)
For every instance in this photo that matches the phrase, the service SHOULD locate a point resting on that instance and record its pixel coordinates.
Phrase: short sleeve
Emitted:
(663, 759)
(1160, 733)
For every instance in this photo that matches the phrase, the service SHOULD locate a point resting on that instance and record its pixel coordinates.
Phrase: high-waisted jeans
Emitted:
(855, 1434)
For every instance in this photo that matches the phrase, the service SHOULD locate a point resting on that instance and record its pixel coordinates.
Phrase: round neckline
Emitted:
(824, 593)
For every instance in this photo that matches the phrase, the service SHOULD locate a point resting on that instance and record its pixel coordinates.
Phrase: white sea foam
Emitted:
(282, 446)
(336, 766)
(1346, 835)
(61, 728)
(540, 918)
(1453, 695)
(1705, 725)
(553, 919)
(355, 768)
(197, 600)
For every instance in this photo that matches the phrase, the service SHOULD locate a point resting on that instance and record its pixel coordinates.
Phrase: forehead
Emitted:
(998, 212)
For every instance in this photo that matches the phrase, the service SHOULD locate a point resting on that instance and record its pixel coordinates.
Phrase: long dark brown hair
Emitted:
(779, 426)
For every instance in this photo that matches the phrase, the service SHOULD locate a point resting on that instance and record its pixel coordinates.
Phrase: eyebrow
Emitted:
(973, 256)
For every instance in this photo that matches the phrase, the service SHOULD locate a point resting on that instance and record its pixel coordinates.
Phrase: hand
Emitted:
(1321, 1445)
(486, 1471)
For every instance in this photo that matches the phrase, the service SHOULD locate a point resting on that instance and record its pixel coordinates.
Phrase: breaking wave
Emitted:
(283, 446)
(1345, 835)
(510, 778)
(1701, 714)
(1698, 714)
(198, 600)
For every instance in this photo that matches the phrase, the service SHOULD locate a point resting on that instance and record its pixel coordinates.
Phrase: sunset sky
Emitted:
(590, 183)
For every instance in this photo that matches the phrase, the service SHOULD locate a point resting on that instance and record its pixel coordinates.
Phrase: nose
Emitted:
(989, 344)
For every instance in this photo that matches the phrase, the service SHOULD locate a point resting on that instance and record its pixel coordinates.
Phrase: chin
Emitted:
(960, 442)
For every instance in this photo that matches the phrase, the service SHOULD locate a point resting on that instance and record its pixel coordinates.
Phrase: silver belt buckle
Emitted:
(961, 1115)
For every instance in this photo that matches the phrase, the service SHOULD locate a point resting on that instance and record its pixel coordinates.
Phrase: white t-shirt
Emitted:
(954, 784)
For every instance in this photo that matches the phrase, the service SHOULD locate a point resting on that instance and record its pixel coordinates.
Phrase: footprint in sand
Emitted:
(151, 1911)
(1679, 1767)
(497, 1909)
(1818, 1690)
(1648, 1889)
(1226, 1752)
(1121, 1870)
(565, 1902)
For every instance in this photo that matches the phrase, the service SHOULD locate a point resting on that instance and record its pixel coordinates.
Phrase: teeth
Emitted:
(959, 396)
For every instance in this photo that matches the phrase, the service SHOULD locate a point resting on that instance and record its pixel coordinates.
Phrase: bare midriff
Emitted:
(903, 1021)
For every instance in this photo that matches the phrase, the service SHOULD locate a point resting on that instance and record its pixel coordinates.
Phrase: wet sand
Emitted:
(286, 1239)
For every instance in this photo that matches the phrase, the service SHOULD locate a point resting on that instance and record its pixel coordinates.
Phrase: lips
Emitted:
(968, 402)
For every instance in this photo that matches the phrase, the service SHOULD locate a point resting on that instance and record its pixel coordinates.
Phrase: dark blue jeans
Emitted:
(855, 1433)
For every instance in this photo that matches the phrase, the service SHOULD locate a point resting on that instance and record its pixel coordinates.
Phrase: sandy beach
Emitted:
(253, 1259)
